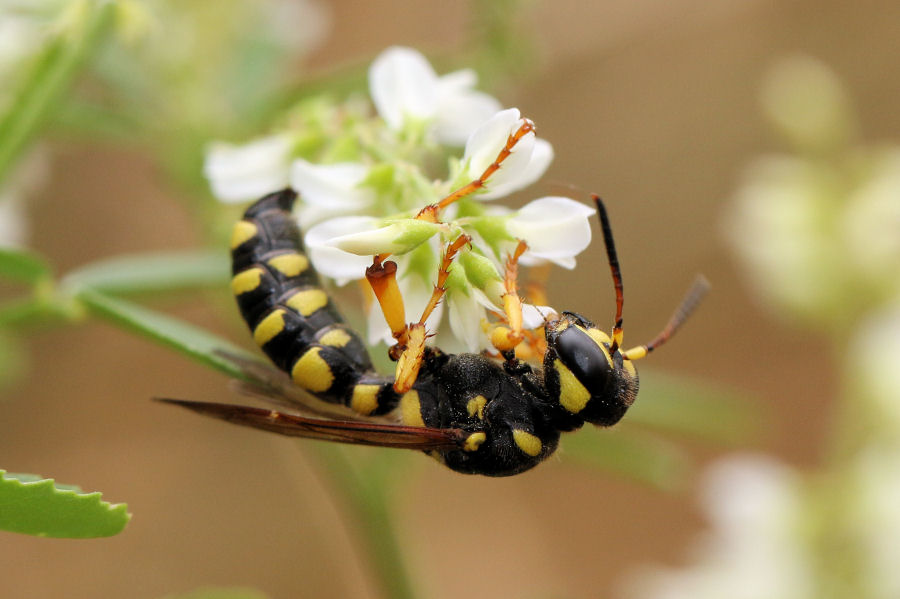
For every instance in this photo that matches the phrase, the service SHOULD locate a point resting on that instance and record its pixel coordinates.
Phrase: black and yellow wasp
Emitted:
(476, 414)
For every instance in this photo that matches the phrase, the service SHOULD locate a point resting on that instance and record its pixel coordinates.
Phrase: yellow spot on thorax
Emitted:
(307, 301)
(573, 396)
(335, 338)
(474, 441)
(365, 399)
(411, 409)
(528, 443)
(242, 232)
(246, 280)
(269, 327)
(290, 265)
(312, 372)
(475, 406)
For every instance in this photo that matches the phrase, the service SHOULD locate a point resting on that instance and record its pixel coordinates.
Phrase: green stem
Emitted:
(365, 493)
(50, 79)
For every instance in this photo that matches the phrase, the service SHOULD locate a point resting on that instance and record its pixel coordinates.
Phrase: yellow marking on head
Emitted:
(411, 409)
(573, 396)
(628, 365)
(246, 280)
(474, 441)
(602, 340)
(476, 406)
(312, 372)
(269, 327)
(561, 325)
(335, 338)
(290, 265)
(365, 399)
(242, 232)
(307, 301)
(599, 336)
(527, 442)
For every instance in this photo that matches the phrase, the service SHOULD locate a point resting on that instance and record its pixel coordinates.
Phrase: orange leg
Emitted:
(433, 211)
(506, 338)
(410, 348)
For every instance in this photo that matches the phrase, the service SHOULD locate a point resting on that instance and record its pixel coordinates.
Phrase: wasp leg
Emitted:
(432, 211)
(507, 337)
(411, 345)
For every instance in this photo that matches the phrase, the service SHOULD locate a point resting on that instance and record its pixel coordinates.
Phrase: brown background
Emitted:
(653, 104)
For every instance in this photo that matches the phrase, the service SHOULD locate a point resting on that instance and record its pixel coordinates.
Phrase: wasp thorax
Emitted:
(581, 373)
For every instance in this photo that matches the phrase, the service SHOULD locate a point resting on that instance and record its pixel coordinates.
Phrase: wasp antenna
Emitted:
(614, 267)
(695, 293)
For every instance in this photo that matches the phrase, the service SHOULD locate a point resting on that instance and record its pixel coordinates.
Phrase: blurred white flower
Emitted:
(526, 164)
(329, 190)
(806, 102)
(784, 229)
(875, 497)
(754, 549)
(871, 223)
(875, 356)
(403, 85)
(240, 173)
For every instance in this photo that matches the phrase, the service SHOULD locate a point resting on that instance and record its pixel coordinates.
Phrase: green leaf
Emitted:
(50, 78)
(647, 460)
(23, 266)
(693, 408)
(220, 593)
(151, 272)
(34, 506)
(188, 339)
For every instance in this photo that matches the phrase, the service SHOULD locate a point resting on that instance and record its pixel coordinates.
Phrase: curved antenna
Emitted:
(614, 267)
(691, 300)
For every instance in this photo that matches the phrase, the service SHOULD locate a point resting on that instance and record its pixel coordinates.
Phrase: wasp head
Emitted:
(581, 372)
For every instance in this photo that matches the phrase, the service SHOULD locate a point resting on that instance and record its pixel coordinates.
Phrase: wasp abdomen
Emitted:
(292, 318)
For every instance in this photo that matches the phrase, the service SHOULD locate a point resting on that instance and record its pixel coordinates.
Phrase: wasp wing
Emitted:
(339, 431)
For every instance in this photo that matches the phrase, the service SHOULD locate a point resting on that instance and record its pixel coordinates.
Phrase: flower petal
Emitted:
(488, 139)
(555, 228)
(466, 314)
(402, 83)
(333, 186)
(533, 317)
(461, 109)
(239, 173)
(332, 262)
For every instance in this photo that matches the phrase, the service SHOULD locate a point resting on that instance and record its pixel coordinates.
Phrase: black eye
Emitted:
(587, 361)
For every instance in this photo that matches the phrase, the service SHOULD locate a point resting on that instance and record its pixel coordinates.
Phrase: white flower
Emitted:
(526, 164)
(754, 549)
(556, 229)
(332, 262)
(403, 85)
(875, 354)
(239, 173)
(329, 190)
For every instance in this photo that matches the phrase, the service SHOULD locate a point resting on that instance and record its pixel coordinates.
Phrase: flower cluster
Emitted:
(363, 179)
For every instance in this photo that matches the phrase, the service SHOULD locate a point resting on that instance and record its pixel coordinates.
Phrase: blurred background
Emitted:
(657, 106)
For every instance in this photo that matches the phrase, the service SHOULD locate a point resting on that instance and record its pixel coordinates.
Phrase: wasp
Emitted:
(475, 413)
